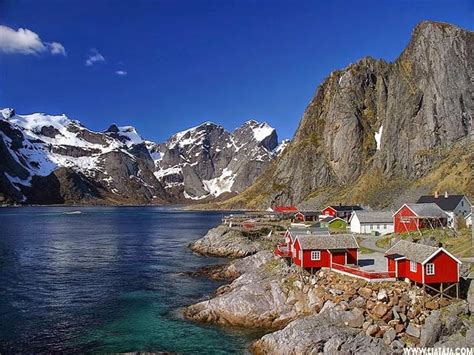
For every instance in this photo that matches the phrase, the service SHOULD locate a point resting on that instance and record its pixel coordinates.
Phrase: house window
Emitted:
(384, 226)
(371, 227)
(462, 203)
(412, 266)
(316, 255)
(430, 269)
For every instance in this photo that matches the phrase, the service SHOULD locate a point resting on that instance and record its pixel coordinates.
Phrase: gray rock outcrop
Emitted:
(226, 242)
(324, 333)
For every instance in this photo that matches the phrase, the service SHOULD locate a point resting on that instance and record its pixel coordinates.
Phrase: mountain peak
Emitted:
(126, 134)
(432, 34)
(430, 25)
(7, 112)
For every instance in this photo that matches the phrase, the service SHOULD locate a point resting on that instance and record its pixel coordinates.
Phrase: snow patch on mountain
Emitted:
(281, 147)
(221, 184)
(131, 134)
(174, 170)
(378, 137)
(262, 131)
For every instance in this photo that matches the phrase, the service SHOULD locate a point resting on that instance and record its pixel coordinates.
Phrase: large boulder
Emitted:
(257, 299)
(470, 297)
(227, 242)
(431, 330)
(323, 333)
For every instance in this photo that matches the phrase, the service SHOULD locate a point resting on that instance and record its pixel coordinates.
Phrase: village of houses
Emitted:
(346, 239)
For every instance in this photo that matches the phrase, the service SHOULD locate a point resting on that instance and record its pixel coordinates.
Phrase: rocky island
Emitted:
(325, 312)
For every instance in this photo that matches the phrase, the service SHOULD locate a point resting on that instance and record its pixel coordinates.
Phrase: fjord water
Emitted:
(109, 279)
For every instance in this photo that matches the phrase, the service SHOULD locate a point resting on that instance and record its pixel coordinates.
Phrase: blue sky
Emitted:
(191, 61)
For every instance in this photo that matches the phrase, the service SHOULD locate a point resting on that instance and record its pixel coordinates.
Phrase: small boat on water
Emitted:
(73, 212)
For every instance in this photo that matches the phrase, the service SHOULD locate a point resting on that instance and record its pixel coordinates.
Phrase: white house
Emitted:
(366, 222)
(468, 220)
(453, 205)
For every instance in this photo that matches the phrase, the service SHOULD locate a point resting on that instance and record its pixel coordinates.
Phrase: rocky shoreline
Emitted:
(325, 312)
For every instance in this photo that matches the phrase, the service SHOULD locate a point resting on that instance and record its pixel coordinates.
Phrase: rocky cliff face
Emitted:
(379, 124)
(207, 161)
(47, 159)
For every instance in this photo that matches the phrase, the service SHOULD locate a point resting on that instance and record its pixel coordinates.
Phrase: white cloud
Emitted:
(121, 72)
(94, 57)
(57, 48)
(25, 41)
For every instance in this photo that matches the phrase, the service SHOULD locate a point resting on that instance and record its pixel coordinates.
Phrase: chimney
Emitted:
(446, 194)
(436, 194)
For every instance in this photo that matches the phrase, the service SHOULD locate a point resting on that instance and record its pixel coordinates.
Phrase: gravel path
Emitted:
(369, 243)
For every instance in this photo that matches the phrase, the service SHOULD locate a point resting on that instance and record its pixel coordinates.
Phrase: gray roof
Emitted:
(335, 241)
(412, 251)
(427, 210)
(446, 203)
(346, 208)
(312, 231)
(307, 230)
(374, 216)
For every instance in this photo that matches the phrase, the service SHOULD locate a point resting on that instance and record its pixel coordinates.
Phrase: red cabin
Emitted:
(416, 216)
(422, 263)
(306, 216)
(284, 249)
(285, 209)
(341, 211)
(317, 251)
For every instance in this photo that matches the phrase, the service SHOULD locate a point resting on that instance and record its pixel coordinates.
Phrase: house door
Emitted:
(339, 257)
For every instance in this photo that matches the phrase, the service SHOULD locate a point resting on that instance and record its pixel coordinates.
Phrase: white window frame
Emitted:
(430, 269)
(315, 255)
(413, 266)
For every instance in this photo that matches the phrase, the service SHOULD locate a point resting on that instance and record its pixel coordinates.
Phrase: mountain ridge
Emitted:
(54, 159)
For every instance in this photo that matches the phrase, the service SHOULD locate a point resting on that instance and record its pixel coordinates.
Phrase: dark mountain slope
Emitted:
(380, 128)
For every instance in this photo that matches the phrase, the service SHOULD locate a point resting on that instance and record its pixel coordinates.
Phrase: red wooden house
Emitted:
(341, 211)
(317, 251)
(305, 216)
(284, 249)
(416, 216)
(422, 264)
(285, 209)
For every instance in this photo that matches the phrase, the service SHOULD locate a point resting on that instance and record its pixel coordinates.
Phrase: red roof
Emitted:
(285, 209)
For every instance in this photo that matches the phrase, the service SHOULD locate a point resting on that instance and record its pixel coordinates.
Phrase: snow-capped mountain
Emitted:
(53, 159)
(207, 161)
(48, 159)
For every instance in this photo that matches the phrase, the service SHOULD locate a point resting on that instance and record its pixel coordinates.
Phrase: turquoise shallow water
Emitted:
(111, 279)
